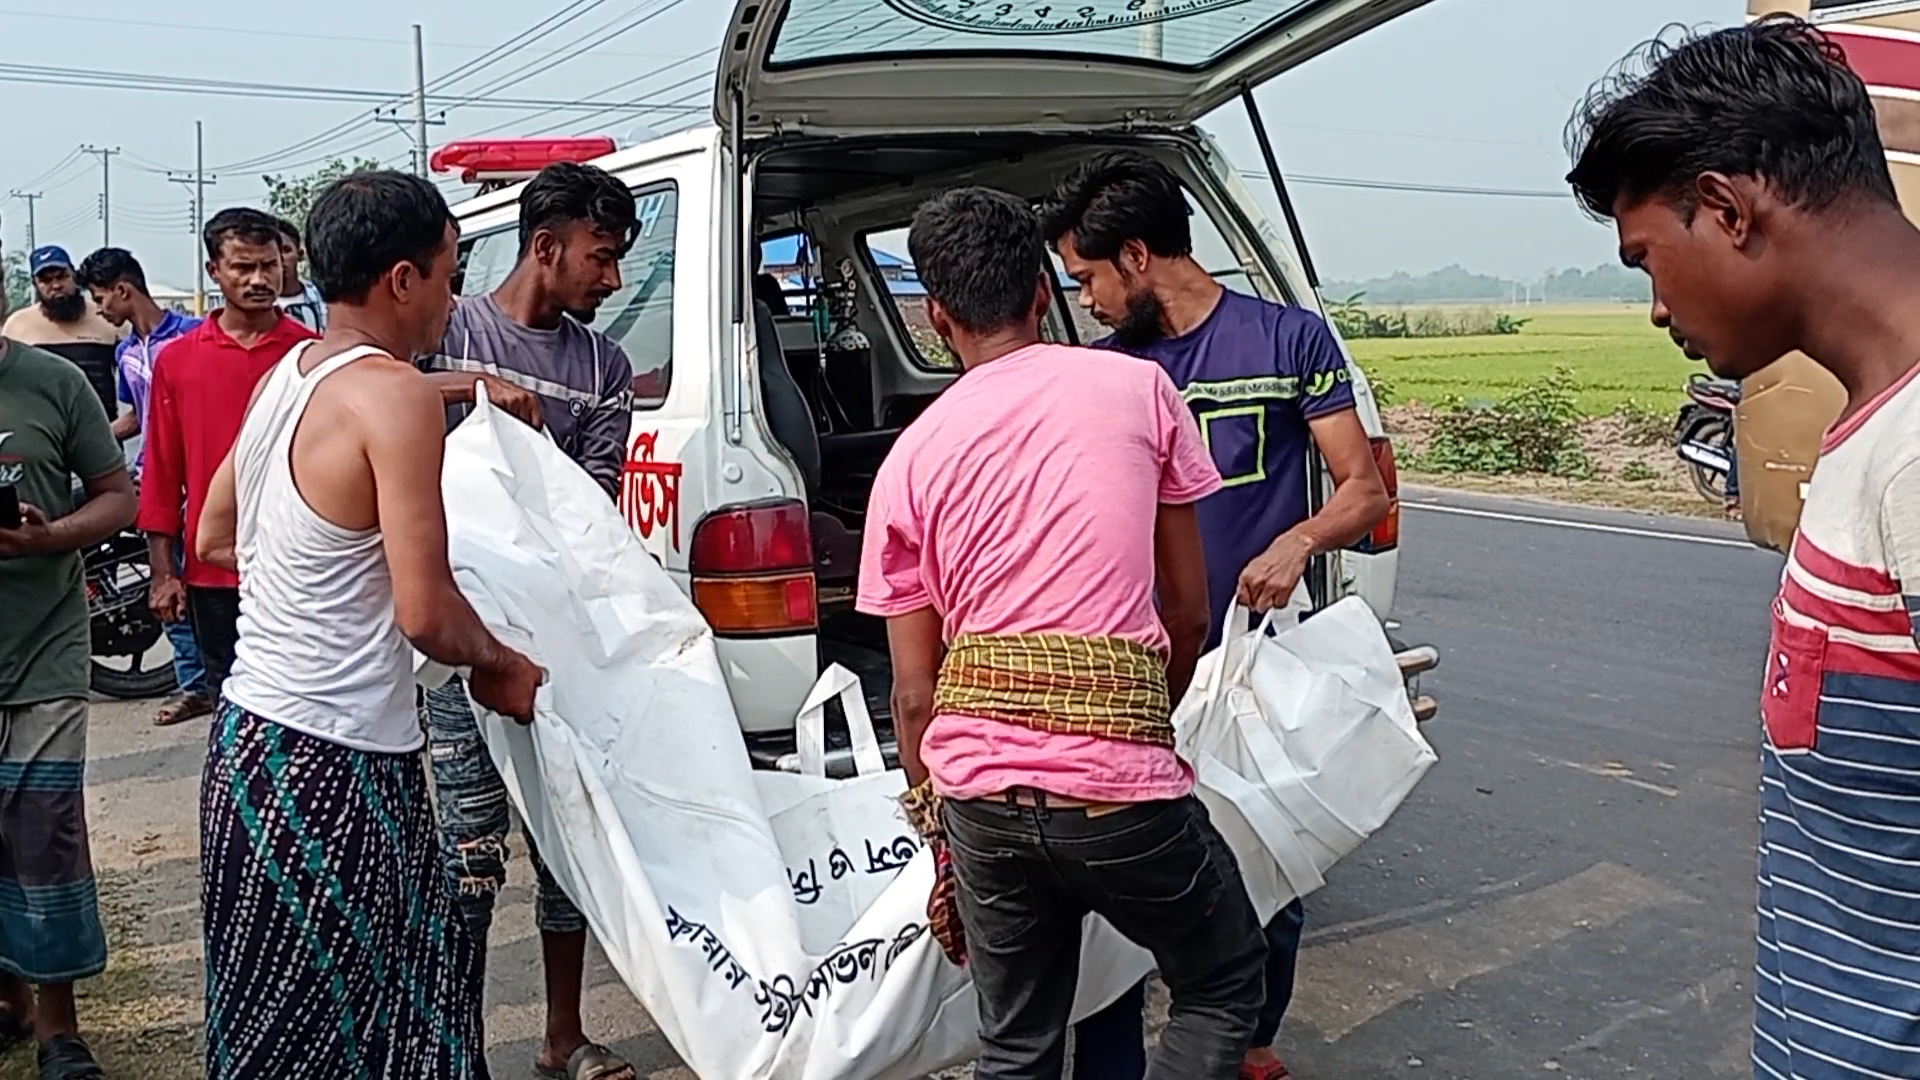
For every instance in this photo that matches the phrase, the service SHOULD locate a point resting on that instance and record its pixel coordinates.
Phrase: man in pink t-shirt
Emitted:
(1016, 541)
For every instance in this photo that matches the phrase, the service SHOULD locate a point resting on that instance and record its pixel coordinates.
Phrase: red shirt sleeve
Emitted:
(163, 489)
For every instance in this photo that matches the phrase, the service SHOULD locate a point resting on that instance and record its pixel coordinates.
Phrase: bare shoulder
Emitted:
(385, 391)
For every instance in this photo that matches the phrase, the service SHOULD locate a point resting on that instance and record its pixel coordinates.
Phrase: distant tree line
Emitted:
(1455, 284)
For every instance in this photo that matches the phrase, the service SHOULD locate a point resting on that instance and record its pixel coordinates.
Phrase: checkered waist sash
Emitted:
(1111, 688)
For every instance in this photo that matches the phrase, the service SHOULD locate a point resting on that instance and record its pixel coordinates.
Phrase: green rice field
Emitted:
(1615, 355)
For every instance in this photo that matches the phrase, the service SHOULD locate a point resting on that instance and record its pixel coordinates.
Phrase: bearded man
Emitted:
(64, 322)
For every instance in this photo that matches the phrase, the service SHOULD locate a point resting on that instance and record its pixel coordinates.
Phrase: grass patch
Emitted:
(1614, 356)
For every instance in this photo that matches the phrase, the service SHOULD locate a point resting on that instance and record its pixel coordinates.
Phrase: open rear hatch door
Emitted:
(881, 67)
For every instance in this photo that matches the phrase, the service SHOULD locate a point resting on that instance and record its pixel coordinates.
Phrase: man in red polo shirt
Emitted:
(195, 408)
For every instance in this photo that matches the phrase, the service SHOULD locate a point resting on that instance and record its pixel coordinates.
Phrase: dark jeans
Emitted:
(215, 614)
(475, 817)
(1160, 873)
(1111, 1044)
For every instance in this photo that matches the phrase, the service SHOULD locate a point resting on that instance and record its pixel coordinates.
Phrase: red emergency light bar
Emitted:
(495, 162)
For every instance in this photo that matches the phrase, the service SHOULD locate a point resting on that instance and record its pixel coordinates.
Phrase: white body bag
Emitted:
(774, 924)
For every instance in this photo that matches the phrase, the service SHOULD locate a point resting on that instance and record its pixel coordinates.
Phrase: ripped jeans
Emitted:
(475, 817)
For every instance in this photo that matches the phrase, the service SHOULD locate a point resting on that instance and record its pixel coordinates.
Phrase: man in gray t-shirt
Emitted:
(541, 363)
(581, 377)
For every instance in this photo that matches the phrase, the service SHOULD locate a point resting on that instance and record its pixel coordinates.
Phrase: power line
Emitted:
(72, 159)
(209, 28)
(521, 121)
(605, 32)
(124, 80)
(531, 34)
(1409, 186)
(514, 44)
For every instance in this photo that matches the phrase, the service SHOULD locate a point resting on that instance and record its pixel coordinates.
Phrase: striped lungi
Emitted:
(49, 913)
(334, 951)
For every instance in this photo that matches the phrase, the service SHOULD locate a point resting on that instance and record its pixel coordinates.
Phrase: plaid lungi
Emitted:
(1106, 687)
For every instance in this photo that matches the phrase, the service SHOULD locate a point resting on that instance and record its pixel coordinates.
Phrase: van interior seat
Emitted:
(788, 415)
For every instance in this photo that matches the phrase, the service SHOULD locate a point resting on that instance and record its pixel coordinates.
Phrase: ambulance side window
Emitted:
(487, 259)
(640, 315)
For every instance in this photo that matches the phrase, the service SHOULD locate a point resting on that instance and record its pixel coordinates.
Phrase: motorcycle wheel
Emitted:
(1710, 483)
(134, 682)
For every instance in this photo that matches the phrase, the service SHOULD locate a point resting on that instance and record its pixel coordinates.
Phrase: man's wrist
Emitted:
(1298, 541)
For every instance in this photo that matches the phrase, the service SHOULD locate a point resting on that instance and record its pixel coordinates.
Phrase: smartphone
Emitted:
(9, 507)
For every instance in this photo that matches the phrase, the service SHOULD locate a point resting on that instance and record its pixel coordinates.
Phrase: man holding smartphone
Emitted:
(52, 428)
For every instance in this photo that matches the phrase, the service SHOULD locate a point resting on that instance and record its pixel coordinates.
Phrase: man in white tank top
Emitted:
(333, 944)
(539, 360)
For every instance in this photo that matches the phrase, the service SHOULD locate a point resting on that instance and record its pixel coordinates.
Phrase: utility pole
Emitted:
(106, 193)
(417, 123)
(419, 103)
(29, 197)
(198, 181)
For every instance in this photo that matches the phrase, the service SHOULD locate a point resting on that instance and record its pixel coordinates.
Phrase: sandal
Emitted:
(590, 1062)
(66, 1057)
(1275, 1071)
(182, 709)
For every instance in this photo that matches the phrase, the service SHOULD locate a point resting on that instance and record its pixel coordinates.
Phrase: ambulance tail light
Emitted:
(752, 569)
(1386, 535)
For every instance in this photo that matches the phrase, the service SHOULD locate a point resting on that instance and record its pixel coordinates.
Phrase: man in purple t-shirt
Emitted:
(1267, 383)
(119, 288)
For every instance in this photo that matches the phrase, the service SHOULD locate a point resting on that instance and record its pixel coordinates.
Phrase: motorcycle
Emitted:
(1703, 435)
(124, 627)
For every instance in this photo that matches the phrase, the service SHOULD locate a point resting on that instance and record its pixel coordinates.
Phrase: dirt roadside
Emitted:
(144, 1015)
(1630, 472)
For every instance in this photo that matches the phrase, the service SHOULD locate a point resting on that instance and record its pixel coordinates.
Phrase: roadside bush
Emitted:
(1533, 430)
(1635, 471)
(1641, 425)
(1384, 392)
(1355, 320)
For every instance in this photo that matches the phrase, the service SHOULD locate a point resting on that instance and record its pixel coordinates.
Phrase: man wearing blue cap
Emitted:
(65, 323)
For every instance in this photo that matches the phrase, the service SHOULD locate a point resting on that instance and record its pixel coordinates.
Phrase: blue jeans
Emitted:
(188, 671)
(475, 817)
(1111, 1044)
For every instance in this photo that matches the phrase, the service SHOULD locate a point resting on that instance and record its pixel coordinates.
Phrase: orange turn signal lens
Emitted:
(775, 604)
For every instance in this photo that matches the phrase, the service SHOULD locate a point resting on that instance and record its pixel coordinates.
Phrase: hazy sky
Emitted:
(1462, 92)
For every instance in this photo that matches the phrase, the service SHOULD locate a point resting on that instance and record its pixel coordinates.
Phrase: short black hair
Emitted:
(109, 267)
(289, 229)
(980, 256)
(566, 192)
(1116, 196)
(364, 225)
(242, 223)
(1774, 100)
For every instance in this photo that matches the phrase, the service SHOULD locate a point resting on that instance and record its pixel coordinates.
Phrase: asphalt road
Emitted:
(1570, 890)
(1568, 893)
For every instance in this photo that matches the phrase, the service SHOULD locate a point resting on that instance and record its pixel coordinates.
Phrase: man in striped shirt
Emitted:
(1746, 175)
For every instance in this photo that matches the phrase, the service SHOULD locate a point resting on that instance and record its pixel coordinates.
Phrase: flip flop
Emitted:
(182, 709)
(1275, 1071)
(590, 1062)
(66, 1057)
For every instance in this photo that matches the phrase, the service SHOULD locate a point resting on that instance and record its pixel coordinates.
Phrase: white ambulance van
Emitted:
(776, 330)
